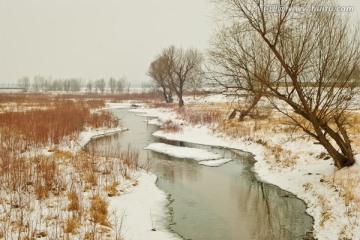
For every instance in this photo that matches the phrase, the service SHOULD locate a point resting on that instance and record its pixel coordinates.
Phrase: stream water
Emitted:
(214, 203)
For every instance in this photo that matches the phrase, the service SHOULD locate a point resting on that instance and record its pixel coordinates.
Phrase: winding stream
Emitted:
(213, 203)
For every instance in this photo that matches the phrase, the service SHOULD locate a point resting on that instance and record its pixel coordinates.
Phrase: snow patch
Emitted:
(143, 211)
(122, 105)
(183, 152)
(215, 163)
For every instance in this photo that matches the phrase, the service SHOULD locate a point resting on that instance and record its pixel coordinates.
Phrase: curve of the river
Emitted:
(213, 203)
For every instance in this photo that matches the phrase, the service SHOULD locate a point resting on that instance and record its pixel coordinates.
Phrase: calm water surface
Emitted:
(207, 203)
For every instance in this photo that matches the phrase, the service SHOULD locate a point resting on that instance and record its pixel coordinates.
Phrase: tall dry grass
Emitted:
(200, 116)
(171, 126)
(51, 125)
(47, 195)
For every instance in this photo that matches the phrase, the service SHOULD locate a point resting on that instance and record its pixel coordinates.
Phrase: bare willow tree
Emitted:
(312, 58)
(236, 61)
(159, 74)
(100, 85)
(121, 84)
(24, 83)
(89, 86)
(112, 84)
(178, 68)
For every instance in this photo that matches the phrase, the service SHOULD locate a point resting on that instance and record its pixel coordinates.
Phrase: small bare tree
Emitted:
(196, 80)
(182, 66)
(67, 85)
(112, 84)
(89, 86)
(38, 83)
(120, 84)
(100, 85)
(231, 67)
(311, 59)
(177, 67)
(75, 84)
(24, 83)
(159, 74)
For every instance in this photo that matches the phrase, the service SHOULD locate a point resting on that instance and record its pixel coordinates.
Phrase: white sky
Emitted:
(95, 38)
(99, 38)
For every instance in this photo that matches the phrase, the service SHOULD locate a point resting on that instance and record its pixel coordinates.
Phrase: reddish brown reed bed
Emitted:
(102, 119)
(94, 98)
(53, 124)
(45, 126)
(39, 99)
(138, 96)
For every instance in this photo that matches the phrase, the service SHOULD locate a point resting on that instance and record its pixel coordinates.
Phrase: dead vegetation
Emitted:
(170, 126)
(56, 193)
(200, 116)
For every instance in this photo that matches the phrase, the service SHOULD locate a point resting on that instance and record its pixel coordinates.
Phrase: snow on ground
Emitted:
(296, 165)
(215, 163)
(122, 105)
(212, 98)
(143, 211)
(85, 136)
(203, 157)
(163, 113)
(183, 152)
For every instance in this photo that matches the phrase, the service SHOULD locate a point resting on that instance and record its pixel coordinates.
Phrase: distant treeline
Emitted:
(46, 84)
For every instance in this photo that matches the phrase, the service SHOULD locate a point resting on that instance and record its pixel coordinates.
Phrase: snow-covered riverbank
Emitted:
(139, 212)
(294, 164)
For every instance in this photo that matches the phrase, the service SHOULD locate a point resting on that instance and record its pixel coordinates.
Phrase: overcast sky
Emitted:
(95, 38)
(98, 38)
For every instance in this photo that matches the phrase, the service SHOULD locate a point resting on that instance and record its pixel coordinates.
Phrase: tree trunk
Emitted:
(340, 159)
(232, 115)
(170, 98)
(166, 97)
(247, 111)
(181, 102)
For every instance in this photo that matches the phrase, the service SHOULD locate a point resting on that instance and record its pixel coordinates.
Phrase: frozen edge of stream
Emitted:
(142, 210)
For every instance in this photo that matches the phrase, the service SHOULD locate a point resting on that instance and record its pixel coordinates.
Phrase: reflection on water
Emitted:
(207, 203)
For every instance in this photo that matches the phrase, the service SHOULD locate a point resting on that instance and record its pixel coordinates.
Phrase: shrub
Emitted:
(170, 126)
(71, 225)
(74, 204)
(41, 192)
(112, 189)
(91, 178)
(99, 210)
(103, 119)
